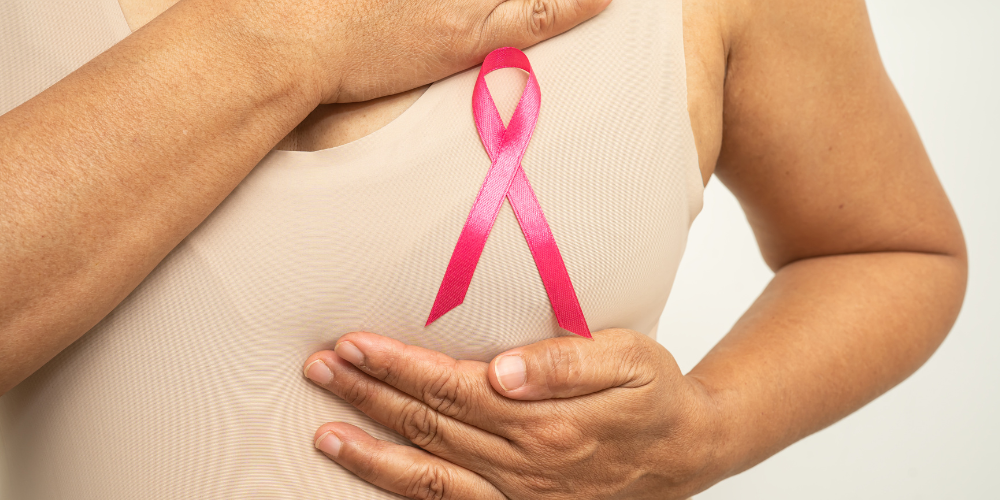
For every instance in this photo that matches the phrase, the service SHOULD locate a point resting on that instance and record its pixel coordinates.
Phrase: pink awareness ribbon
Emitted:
(506, 178)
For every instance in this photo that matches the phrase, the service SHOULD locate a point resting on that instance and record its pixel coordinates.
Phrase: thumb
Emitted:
(536, 20)
(565, 367)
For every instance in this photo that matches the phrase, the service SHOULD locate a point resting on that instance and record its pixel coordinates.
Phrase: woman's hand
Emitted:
(353, 57)
(178, 113)
(562, 418)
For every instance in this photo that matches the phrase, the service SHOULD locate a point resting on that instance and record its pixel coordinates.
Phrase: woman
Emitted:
(869, 259)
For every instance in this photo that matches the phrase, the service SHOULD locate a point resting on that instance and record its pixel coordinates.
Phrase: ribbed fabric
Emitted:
(42, 41)
(192, 388)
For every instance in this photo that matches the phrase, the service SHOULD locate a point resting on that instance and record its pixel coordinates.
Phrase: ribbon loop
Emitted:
(506, 179)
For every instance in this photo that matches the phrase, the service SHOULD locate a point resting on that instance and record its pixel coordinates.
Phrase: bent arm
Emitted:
(104, 173)
(869, 259)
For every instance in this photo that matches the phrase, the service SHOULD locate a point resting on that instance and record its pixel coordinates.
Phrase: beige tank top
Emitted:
(192, 388)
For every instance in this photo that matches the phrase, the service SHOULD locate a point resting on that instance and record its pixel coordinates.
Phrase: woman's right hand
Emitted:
(360, 50)
(107, 170)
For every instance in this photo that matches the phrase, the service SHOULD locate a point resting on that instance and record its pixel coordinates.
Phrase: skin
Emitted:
(791, 109)
(102, 174)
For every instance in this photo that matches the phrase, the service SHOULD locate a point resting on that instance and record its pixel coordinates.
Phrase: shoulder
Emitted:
(736, 50)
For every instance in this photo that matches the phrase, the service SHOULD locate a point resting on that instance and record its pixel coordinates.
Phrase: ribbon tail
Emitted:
(464, 258)
(472, 240)
(549, 261)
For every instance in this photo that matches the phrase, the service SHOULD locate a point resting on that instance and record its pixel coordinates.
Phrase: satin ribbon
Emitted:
(506, 178)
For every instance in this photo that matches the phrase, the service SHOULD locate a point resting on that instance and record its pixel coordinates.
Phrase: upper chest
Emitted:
(337, 124)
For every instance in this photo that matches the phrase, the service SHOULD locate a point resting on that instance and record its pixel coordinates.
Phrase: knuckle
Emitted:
(369, 466)
(638, 341)
(564, 366)
(358, 394)
(634, 354)
(633, 348)
(558, 437)
(390, 371)
(419, 424)
(640, 353)
(444, 392)
(541, 16)
(428, 482)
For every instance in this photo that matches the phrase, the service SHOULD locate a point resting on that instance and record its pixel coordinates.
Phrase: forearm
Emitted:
(827, 336)
(106, 171)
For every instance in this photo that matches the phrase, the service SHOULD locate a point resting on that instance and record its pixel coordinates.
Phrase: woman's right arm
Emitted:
(102, 174)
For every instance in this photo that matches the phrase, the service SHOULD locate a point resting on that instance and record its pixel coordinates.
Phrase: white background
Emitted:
(936, 435)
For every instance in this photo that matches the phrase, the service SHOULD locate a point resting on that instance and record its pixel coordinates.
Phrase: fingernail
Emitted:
(328, 443)
(318, 372)
(510, 372)
(350, 352)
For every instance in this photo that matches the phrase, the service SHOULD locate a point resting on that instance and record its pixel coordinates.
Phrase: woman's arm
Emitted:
(869, 258)
(104, 173)
(870, 274)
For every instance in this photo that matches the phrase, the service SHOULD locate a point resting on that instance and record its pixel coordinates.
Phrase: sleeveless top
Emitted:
(193, 388)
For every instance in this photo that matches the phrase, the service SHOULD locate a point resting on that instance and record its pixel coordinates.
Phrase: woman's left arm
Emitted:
(869, 259)
(870, 271)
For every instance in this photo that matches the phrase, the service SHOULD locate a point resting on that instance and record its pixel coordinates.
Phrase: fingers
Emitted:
(441, 435)
(404, 470)
(536, 20)
(458, 389)
(565, 367)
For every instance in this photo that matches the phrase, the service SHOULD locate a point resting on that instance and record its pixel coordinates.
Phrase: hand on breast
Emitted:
(566, 417)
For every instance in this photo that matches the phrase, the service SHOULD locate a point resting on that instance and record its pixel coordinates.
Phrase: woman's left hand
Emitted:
(566, 417)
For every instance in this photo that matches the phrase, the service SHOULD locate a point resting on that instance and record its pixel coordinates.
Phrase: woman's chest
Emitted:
(206, 353)
(363, 233)
(361, 237)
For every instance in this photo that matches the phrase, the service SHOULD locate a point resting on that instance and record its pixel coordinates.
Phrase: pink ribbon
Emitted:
(506, 178)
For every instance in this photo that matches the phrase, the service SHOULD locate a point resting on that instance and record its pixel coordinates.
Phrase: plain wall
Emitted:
(934, 436)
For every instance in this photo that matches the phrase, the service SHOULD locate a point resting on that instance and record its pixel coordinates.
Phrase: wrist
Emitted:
(713, 448)
(267, 57)
(306, 57)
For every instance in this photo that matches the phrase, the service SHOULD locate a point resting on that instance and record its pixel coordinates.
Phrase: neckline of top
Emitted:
(411, 115)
